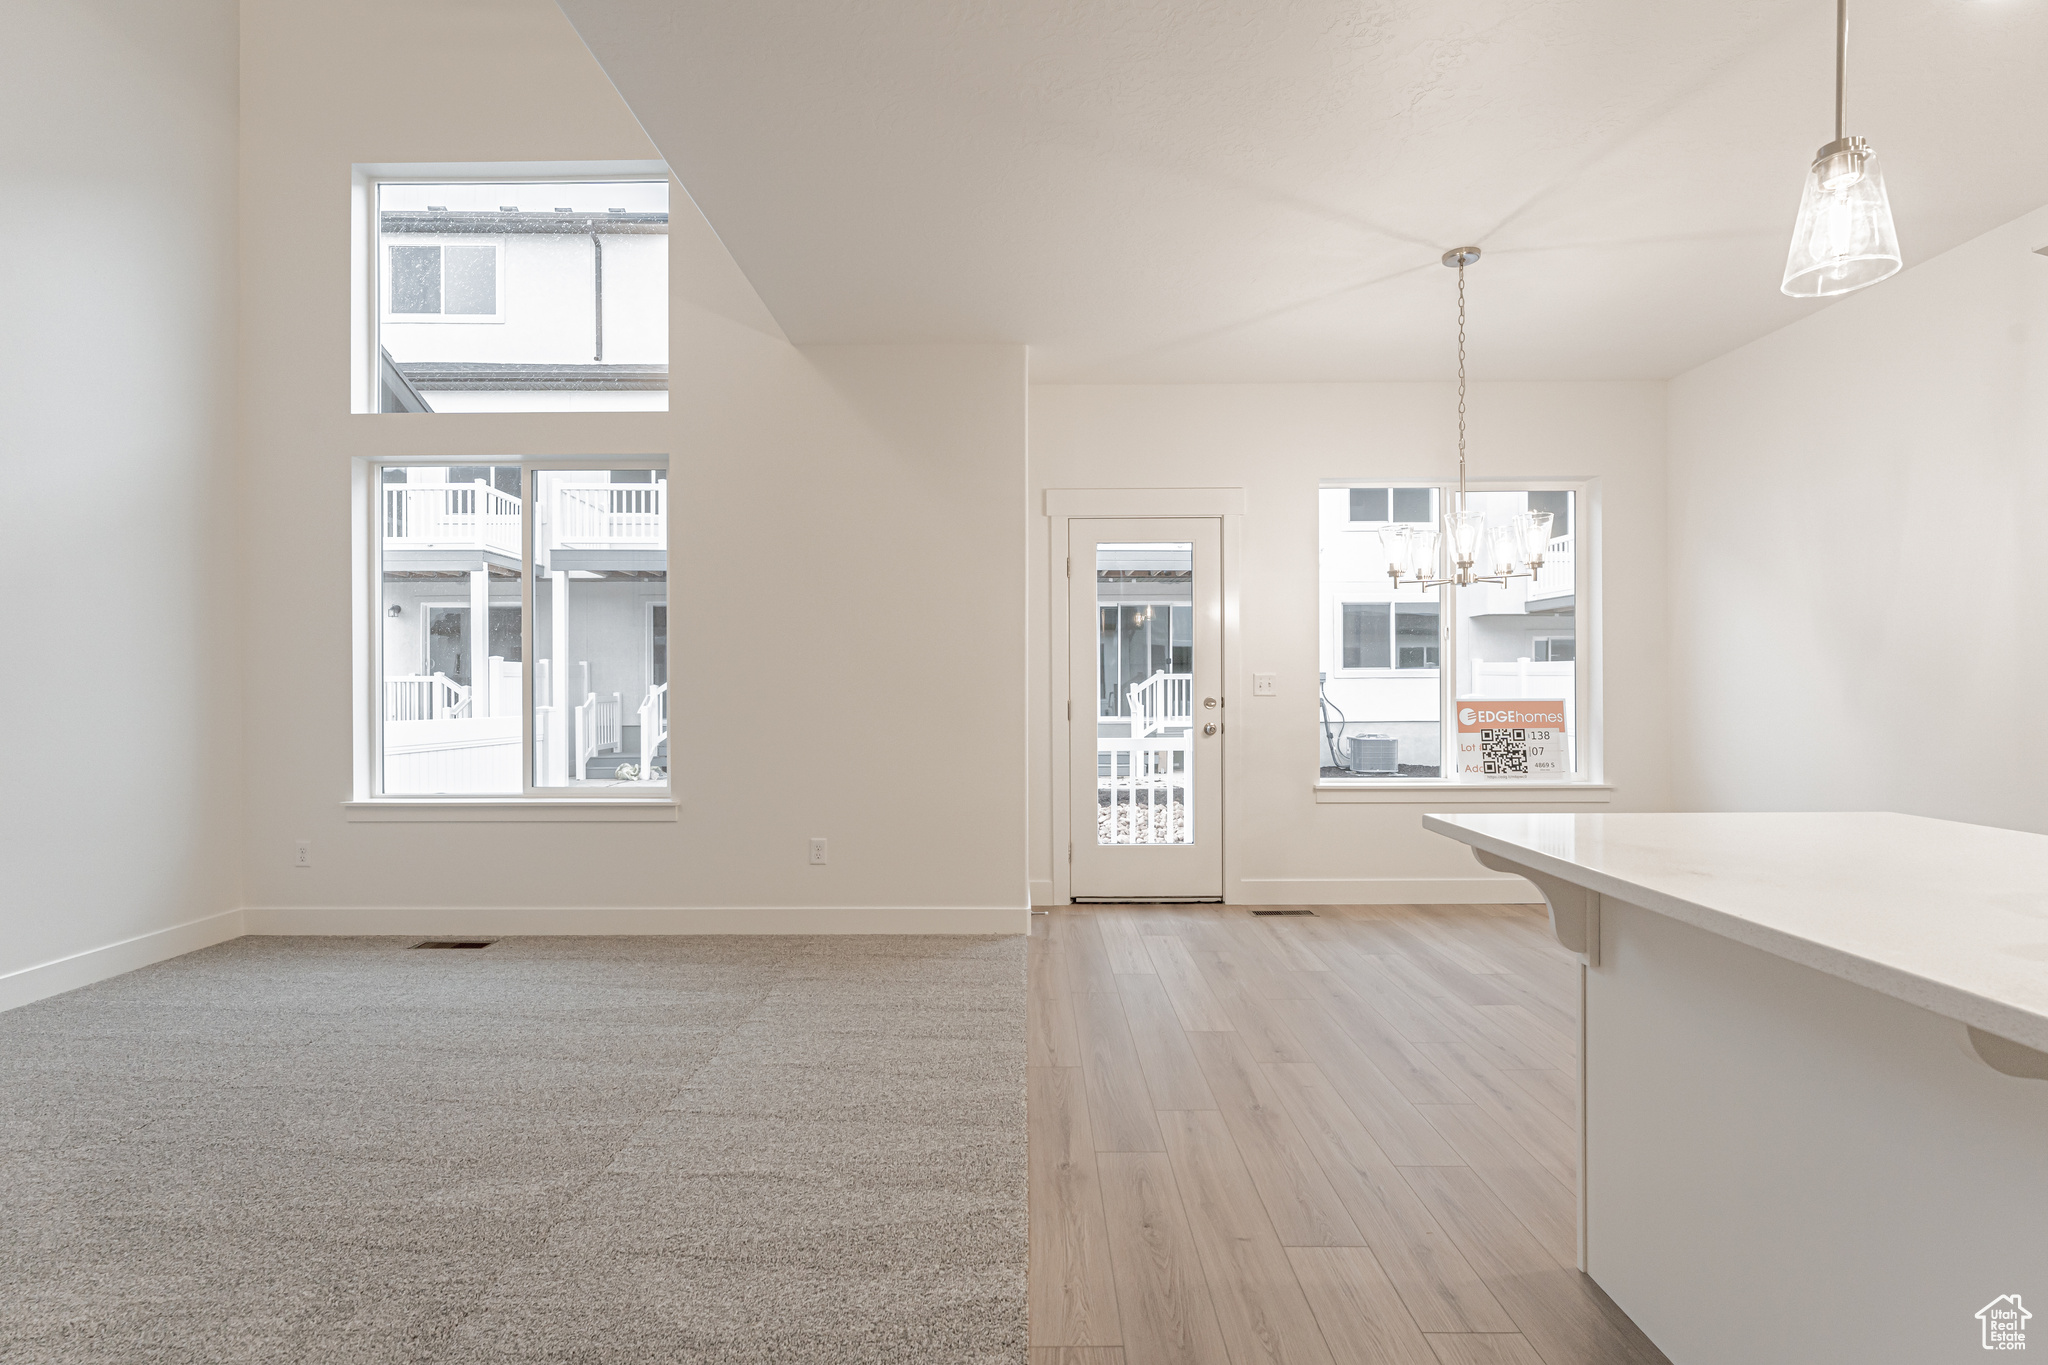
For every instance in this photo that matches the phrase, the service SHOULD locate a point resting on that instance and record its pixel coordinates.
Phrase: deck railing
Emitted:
(1144, 781)
(610, 516)
(425, 697)
(653, 728)
(597, 729)
(1163, 701)
(450, 516)
(1558, 576)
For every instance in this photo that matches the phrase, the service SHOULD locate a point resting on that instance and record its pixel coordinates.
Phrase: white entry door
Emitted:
(1146, 753)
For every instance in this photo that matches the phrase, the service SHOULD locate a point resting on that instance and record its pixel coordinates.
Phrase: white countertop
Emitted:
(1950, 917)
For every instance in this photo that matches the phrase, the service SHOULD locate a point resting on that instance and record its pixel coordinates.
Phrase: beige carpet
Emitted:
(602, 1150)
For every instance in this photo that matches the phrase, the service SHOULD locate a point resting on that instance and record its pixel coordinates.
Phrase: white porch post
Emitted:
(479, 643)
(560, 747)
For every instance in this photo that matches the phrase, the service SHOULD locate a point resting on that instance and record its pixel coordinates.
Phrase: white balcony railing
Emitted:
(1559, 575)
(425, 697)
(450, 516)
(653, 728)
(1163, 701)
(609, 516)
(597, 729)
(1143, 787)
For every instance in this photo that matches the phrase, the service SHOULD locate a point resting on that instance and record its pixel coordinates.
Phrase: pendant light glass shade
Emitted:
(1844, 239)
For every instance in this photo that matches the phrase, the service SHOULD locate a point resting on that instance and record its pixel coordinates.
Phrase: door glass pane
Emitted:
(452, 700)
(600, 629)
(1381, 702)
(1145, 692)
(1519, 642)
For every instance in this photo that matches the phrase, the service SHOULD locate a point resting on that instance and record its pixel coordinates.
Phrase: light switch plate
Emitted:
(1264, 685)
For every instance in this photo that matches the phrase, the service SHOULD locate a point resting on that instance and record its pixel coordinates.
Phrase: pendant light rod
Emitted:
(1841, 69)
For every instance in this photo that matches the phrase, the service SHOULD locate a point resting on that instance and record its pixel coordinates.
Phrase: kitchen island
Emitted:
(1813, 1074)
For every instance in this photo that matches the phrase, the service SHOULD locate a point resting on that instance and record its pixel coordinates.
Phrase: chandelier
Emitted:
(1844, 239)
(1481, 553)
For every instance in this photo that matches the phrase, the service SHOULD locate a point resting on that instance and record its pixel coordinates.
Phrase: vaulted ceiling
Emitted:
(1253, 190)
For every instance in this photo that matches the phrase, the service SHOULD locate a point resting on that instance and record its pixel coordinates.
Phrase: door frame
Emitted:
(1066, 505)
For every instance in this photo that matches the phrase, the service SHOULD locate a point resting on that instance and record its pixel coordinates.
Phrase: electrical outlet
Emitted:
(817, 853)
(304, 856)
(1265, 685)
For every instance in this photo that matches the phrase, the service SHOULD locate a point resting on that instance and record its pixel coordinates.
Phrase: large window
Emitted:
(522, 296)
(523, 641)
(1399, 663)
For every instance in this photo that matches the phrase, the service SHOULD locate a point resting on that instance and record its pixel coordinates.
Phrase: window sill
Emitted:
(511, 810)
(1436, 792)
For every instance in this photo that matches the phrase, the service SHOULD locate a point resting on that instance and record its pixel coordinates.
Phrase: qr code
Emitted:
(1504, 752)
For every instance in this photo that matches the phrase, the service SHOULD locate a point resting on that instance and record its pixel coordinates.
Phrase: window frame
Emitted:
(386, 281)
(370, 800)
(1589, 779)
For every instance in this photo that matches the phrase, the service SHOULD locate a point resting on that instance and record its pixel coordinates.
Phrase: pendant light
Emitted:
(1512, 550)
(1844, 239)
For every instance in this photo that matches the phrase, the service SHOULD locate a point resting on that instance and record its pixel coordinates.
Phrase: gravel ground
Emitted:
(1122, 824)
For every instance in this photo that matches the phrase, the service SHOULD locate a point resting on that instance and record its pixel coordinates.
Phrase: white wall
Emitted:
(117, 371)
(1278, 442)
(1859, 519)
(817, 494)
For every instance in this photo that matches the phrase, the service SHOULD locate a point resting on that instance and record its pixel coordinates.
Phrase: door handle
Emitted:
(1210, 728)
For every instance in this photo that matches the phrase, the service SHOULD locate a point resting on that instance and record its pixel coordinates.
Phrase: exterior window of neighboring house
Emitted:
(452, 281)
(523, 647)
(1378, 505)
(1390, 635)
(1396, 659)
(558, 292)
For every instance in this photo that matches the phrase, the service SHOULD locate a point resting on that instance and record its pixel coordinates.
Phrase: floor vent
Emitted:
(1283, 912)
(456, 943)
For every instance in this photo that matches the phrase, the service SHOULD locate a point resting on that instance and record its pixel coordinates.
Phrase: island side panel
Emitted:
(1782, 1166)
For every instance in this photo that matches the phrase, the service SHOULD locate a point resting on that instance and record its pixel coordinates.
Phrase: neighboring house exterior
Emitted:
(534, 306)
(450, 551)
(1381, 649)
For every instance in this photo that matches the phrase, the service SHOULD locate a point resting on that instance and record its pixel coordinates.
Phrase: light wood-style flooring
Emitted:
(1322, 1139)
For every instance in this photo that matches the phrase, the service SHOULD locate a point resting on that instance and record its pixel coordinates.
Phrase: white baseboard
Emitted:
(1386, 891)
(1041, 892)
(402, 920)
(97, 964)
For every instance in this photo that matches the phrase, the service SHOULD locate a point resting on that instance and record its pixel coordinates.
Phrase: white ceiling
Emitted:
(1246, 190)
